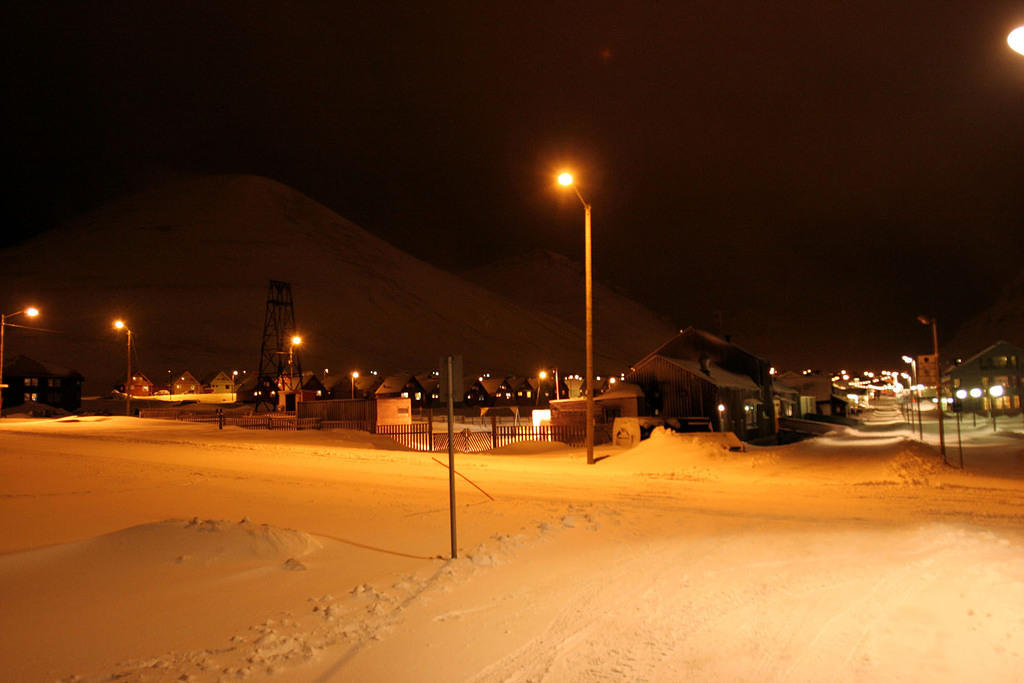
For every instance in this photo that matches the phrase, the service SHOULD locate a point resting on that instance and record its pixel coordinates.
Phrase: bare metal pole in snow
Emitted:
(451, 452)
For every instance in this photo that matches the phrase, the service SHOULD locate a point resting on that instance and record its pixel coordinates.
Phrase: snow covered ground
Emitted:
(145, 550)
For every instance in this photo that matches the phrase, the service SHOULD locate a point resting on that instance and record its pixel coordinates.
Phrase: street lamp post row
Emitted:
(31, 312)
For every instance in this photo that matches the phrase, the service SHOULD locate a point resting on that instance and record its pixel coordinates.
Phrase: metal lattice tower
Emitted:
(278, 328)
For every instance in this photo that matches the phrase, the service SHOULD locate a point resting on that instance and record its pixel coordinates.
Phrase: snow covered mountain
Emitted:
(187, 266)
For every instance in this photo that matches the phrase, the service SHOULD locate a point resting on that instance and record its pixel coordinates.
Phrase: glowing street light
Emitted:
(994, 392)
(295, 341)
(120, 325)
(1016, 40)
(354, 376)
(916, 396)
(566, 180)
(31, 312)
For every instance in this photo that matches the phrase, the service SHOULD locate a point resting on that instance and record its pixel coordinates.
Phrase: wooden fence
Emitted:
(418, 437)
(360, 415)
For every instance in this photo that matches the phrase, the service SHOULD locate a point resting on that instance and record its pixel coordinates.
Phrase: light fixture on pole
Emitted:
(566, 180)
(354, 376)
(31, 312)
(915, 394)
(925, 320)
(295, 341)
(994, 392)
(119, 325)
(1016, 40)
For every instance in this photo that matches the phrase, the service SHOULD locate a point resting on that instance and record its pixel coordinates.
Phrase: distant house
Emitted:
(431, 384)
(141, 386)
(697, 374)
(816, 394)
(34, 381)
(487, 392)
(998, 365)
(186, 383)
(345, 386)
(524, 390)
(245, 390)
(402, 385)
(313, 388)
(218, 383)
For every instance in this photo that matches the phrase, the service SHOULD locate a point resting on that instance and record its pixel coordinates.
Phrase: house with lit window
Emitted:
(218, 383)
(431, 384)
(699, 375)
(487, 392)
(313, 388)
(346, 386)
(988, 380)
(31, 381)
(402, 385)
(186, 383)
(524, 390)
(141, 386)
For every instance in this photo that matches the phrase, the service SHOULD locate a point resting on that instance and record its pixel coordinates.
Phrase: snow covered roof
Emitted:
(715, 374)
(620, 390)
(984, 351)
(693, 332)
(23, 366)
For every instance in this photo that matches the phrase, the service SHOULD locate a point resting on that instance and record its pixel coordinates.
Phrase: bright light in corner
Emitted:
(296, 340)
(1016, 39)
(565, 179)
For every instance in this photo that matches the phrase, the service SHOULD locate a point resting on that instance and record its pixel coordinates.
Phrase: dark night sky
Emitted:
(841, 166)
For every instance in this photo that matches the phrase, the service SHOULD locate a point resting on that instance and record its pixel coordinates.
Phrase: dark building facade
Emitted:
(697, 374)
(31, 380)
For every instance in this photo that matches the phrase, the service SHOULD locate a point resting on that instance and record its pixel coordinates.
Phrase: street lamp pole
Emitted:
(119, 324)
(31, 312)
(925, 320)
(353, 377)
(566, 180)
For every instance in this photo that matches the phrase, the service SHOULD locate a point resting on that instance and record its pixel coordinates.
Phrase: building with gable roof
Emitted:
(697, 374)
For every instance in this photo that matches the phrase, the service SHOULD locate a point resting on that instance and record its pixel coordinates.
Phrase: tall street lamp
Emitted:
(354, 376)
(119, 325)
(925, 320)
(565, 179)
(31, 312)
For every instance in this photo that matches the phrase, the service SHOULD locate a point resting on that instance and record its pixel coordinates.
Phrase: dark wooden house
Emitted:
(699, 375)
(999, 365)
(487, 392)
(29, 380)
(313, 388)
(402, 385)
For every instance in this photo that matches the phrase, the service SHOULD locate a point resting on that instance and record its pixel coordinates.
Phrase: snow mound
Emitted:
(668, 451)
(208, 542)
